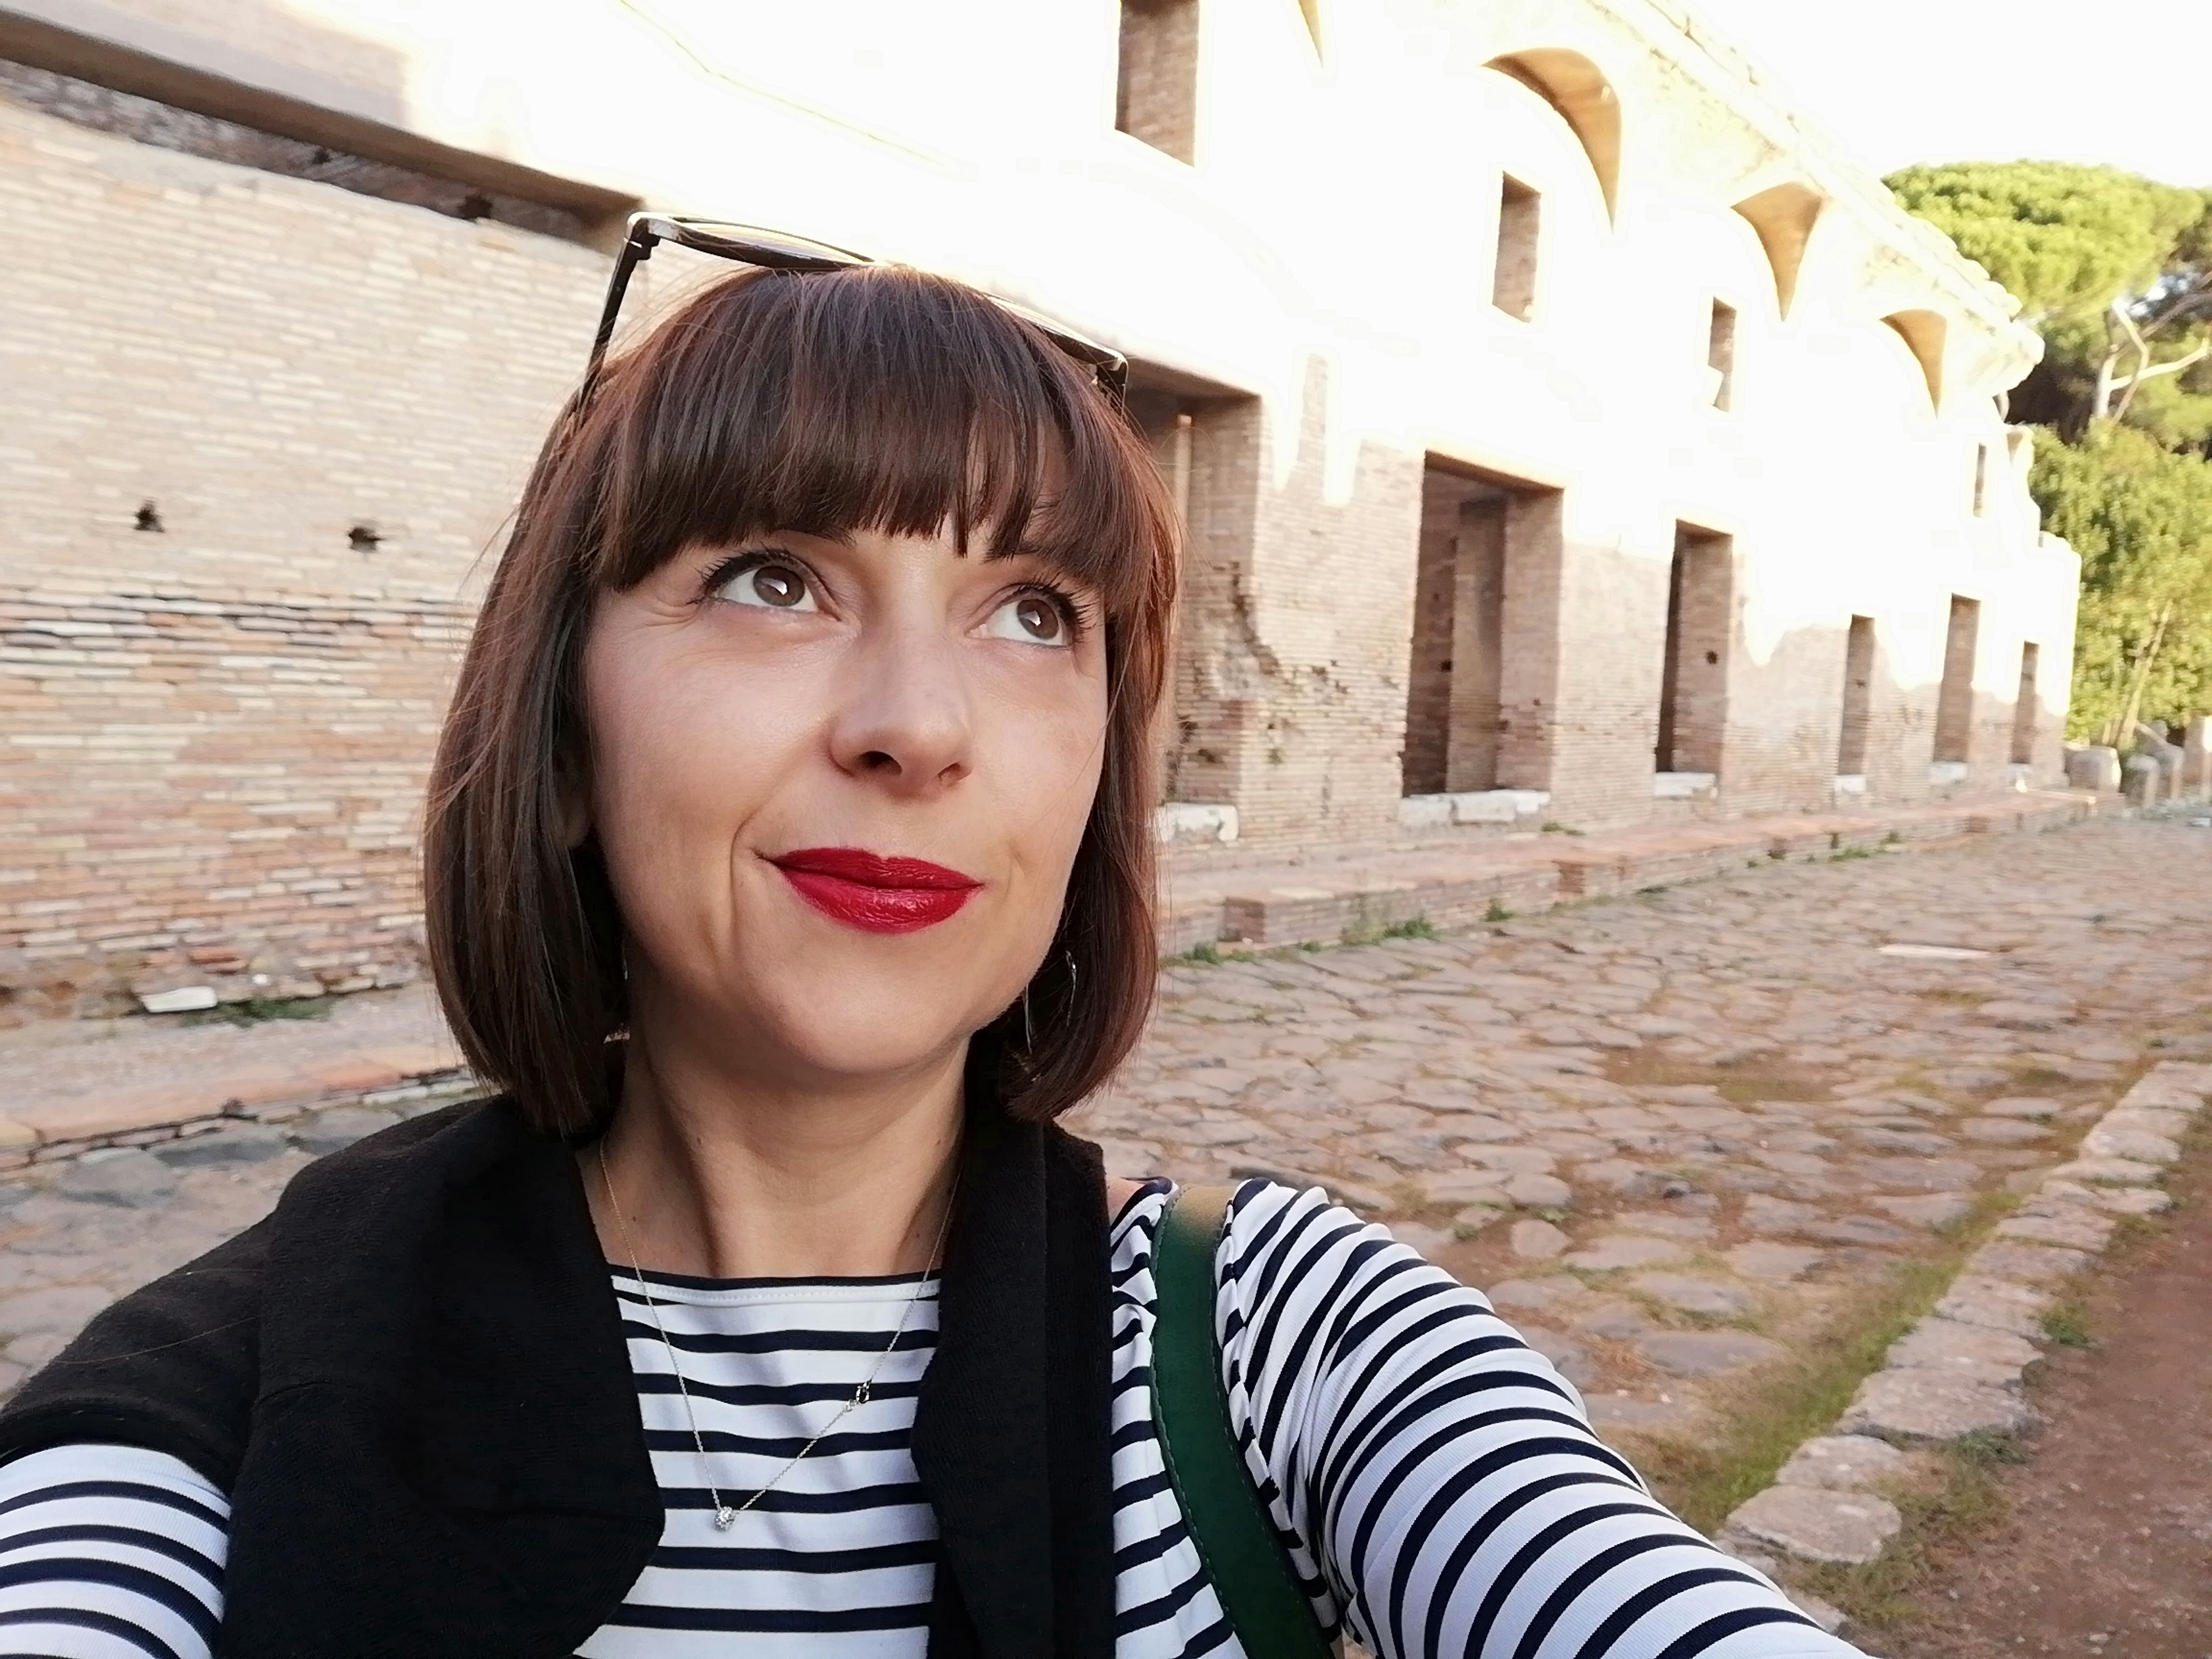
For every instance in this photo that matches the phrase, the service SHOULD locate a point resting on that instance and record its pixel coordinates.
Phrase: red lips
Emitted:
(876, 894)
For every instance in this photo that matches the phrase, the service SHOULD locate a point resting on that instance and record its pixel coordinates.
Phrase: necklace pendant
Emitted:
(860, 1396)
(725, 1517)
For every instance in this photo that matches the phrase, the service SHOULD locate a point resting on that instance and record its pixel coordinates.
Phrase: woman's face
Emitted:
(840, 784)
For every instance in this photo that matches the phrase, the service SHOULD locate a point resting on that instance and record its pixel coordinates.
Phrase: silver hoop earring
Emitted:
(1029, 1023)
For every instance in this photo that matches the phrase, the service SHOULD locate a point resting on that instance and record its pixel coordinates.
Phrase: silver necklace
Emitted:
(725, 1515)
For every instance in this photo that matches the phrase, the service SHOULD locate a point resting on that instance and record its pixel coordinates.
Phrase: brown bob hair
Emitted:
(875, 398)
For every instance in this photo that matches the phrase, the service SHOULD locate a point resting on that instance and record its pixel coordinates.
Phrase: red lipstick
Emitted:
(876, 894)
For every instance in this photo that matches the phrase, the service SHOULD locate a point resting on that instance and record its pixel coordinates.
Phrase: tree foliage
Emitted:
(2114, 270)
(2140, 515)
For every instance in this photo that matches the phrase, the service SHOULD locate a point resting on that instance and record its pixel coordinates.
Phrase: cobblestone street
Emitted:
(1668, 1133)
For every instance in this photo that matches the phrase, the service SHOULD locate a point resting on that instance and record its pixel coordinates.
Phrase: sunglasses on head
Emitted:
(773, 250)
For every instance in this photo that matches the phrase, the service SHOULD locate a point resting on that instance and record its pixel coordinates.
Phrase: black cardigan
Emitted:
(412, 1381)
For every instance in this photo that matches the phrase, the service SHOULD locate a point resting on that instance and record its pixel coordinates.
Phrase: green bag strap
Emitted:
(1244, 1558)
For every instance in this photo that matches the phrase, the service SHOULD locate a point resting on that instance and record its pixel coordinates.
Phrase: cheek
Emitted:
(682, 747)
(1049, 756)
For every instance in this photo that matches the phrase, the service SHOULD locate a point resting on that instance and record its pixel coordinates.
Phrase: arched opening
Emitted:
(1577, 89)
(1924, 332)
(1783, 218)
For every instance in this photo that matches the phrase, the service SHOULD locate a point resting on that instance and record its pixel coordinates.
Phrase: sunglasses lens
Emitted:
(763, 247)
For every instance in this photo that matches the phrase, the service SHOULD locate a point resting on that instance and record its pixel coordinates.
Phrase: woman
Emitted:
(788, 866)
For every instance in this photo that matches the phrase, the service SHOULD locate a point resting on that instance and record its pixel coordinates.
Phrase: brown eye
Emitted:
(1031, 619)
(770, 586)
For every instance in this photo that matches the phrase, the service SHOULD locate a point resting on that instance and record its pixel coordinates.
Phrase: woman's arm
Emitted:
(109, 1552)
(1443, 1488)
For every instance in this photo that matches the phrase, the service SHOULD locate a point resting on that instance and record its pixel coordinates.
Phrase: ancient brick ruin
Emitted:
(1565, 431)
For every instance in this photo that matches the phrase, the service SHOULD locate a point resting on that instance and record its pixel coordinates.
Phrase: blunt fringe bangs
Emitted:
(876, 399)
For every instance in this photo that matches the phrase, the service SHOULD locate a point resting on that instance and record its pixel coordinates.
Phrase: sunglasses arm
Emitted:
(637, 248)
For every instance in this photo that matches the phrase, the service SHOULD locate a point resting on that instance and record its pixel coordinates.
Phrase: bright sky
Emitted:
(1907, 81)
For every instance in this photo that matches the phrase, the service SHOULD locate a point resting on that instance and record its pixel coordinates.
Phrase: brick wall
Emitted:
(1326, 616)
(213, 736)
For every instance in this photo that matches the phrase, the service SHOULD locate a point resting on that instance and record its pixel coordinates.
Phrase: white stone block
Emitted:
(1850, 783)
(1184, 820)
(1424, 811)
(1942, 774)
(1498, 805)
(1682, 786)
(185, 1000)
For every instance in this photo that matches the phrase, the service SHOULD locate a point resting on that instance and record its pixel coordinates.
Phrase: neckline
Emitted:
(1157, 1186)
(813, 1282)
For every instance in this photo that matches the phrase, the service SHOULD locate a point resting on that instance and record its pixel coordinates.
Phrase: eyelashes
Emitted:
(1078, 613)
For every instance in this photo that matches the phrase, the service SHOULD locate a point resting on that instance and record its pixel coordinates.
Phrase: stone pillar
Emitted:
(2095, 766)
(2196, 755)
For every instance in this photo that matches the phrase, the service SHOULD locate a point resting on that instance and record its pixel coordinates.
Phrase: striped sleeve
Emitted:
(109, 1552)
(1437, 1480)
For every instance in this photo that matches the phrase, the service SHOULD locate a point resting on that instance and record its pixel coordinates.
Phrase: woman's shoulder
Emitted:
(1272, 1226)
(175, 1366)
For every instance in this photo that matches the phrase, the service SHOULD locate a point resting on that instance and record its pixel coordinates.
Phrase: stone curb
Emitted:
(356, 1081)
(1958, 1372)
(1269, 907)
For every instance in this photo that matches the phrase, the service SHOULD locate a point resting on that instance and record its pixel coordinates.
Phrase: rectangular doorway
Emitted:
(1701, 635)
(1858, 698)
(1454, 692)
(1955, 700)
(2024, 708)
(1484, 659)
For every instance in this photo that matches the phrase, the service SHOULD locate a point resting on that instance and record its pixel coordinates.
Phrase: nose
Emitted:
(906, 721)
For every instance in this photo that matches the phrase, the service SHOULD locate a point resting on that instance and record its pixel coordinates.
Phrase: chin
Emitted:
(855, 1024)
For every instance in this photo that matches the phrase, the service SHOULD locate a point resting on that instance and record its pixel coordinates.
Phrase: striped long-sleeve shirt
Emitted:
(1435, 1481)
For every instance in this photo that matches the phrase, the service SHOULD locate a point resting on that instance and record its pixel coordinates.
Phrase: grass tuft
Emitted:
(256, 1010)
(1368, 932)
(2064, 1327)
(1497, 912)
